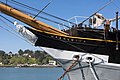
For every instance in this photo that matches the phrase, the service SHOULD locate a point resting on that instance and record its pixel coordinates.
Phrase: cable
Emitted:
(13, 30)
(97, 11)
(42, 9)
(28, 7)
(45, 18)
(66, 43)
(29, 42)
(62, 41)
(6, 19)
(6, 1)
(14, 34)
(116, 5)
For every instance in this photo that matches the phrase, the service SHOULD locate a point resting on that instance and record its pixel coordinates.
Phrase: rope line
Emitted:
(37, 10)
(69, 68)
(19, 36)
(29, 42)
(43, 9)
(45, 18)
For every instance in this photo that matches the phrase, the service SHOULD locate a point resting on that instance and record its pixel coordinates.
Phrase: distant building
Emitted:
(52, 62)
(0, 63)
(27, 55)
(10, 54)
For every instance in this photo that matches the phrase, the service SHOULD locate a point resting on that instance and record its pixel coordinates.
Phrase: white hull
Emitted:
(97, 68)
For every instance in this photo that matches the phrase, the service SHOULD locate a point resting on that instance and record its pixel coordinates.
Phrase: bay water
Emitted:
(31, 73)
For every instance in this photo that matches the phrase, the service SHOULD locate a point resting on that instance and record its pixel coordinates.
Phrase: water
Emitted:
(31, 73)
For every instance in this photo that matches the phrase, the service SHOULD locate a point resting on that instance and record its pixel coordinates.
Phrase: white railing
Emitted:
(76, 20)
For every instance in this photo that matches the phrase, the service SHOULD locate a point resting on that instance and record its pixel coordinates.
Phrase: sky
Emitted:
(61, 8)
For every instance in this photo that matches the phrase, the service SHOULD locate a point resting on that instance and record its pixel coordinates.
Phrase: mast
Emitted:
(28, 19)
(117, 30)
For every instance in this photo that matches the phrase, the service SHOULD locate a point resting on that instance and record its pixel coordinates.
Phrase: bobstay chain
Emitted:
(69, 68)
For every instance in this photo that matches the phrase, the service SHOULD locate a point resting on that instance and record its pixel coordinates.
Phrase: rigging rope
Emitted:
(30, 43)
(34, 9)
(45, 18)
(93, 70)
(43, 9)
(116, 5)
(41, 16)
(15, 34)
(97, 11)
(6, 19)
(60, 40)
(20, 36)
(69, 68)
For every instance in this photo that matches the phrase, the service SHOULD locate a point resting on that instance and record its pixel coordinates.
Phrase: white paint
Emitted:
(68, 55)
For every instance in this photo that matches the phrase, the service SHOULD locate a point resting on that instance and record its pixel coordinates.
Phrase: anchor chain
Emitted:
(69, 68)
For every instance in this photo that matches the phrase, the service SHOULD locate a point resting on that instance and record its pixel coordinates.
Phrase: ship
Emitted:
(84, 52)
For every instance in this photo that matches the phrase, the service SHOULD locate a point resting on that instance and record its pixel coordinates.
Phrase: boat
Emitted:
(84, 52)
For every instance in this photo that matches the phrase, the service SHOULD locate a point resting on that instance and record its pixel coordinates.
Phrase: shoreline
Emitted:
(38, 66)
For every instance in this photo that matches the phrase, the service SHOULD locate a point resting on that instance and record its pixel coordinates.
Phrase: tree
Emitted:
(13, 60)
(32, 61)
(20, 52)
(10, 52)
(5, 61)
(39, 54)
(39, 57)
(18, 60)
(22, 60)
(2, 56)
(28, 52)
(46, 59)
(2, 53)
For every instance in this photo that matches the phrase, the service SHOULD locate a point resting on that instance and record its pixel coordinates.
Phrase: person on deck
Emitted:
(106, 28)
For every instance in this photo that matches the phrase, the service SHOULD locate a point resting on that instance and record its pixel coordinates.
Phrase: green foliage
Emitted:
(2, 52)
(32, 61)
(18, 60)
(0, 58)
(28, 52)
(4, 58)
(20, 52)
(23, 57)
